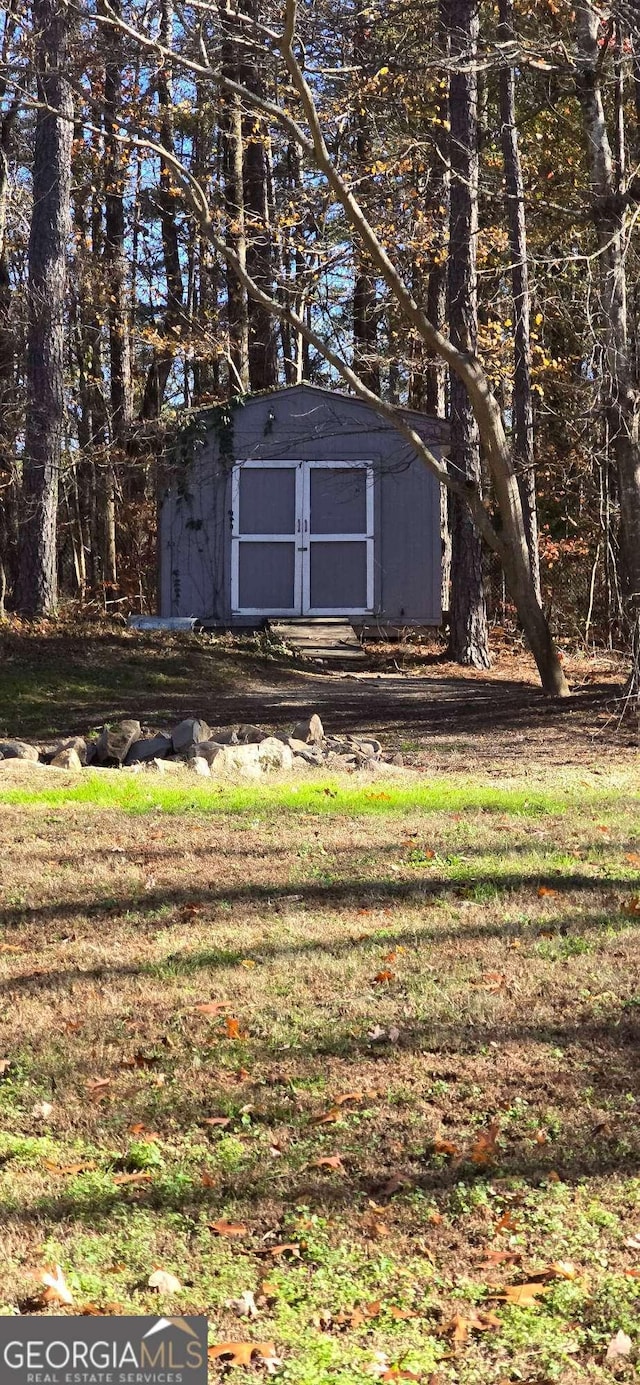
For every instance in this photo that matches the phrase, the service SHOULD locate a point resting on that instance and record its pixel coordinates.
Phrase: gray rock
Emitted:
(152, 748)
(311, 754)
(396, 759)
(239, 759)
(189, 733)
(225, 735)
(115, 744)
(198, 765)
(76, 743)
(19, 750)
(205, 750)
(250, 735)
(274, 755)
(310, 731)
(67, 758)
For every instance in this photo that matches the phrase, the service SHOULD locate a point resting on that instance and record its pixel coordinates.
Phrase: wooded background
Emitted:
(432, 204)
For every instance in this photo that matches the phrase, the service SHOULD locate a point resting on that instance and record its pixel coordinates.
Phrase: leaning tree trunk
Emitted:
(37, 574)
(522, 395)
(468, 616)
(622, 402)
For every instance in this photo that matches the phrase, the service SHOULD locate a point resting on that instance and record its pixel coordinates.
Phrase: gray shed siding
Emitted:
(305, 423)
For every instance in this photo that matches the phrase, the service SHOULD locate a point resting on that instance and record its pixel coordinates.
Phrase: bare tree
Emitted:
(37, 574)
(522, 396)
(468, 637)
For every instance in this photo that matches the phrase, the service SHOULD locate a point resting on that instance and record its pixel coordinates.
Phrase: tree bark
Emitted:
(37, 570)
(263, 335)
(622, 399)
(235, 234)
(468, 638)
(523, 439)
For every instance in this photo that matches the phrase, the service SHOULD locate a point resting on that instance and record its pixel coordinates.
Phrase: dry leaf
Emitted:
(632, 1274)
(68, 1169)
(207, 1180)
(287, 1248)
(521, 1295)
(221, 1121)
(445, 1147)
(459, 1326)
(400, 1314)
(164, 1282)
(56, 1289)
(348, 1096)
(97, 1087)
(632, 906)
(382, 976)
(241, 1353)
(499, 1257)
(227, 1228)
(212, 1007)
(507, 1223)
(633, 857)
(620, 1345)
(141, 1176)
(560, 1269)
(327, 1161)
(493, 980)
(544, 892)
(140, 1129)
(633, 1242)
(483, 1149)
(232, 1028)
(333, 1114)
(245, 1305)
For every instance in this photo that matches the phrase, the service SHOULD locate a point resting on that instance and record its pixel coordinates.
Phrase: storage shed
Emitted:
(301, 502)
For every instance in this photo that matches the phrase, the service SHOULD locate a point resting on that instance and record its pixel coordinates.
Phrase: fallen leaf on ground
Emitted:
(460, 1325)
(445, 1147)
(493, 980)
(521, 1295)
(140, 1129)
(499, 1257)
(507, 1222)
(632, 1274)
(56, 1289)
(633, 857)
(327, 1161)
(241, 1353)
(381, 977)
(232, 1027)
(97, 1087)
(245, 1305)
(140, 1176)
(541, 1137)
(164, 1282)
(212, 1007)
(227, 1228)
(401, 1314)
(220, 1121)
(348, 1096)
(633, 1242)
(333, 1114)
(632, 906)
(68, 1169)
(483, 1149)
(287, 1248)
(560, 1269)
(620, 1345)
(393, 1185)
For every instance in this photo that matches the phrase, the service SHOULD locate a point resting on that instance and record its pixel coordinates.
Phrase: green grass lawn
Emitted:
(413, 1087)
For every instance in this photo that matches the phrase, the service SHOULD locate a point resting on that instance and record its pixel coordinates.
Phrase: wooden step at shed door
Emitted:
(330, 641)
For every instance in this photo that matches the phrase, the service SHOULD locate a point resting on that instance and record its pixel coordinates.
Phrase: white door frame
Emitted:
(310, 538)
(237, 536)
(302, 538)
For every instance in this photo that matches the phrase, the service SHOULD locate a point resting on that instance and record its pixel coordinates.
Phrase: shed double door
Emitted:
(302, 538)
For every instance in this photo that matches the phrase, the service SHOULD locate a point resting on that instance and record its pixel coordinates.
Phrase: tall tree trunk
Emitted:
(235, 235)
(163, 357)
(522, 396)
(37, 572)
(622, 401)
(365, 298)
(115, 175)
(263, 331)
(468, 617)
